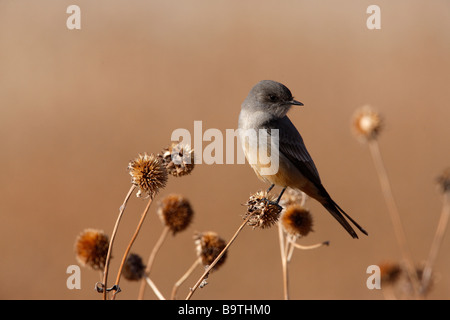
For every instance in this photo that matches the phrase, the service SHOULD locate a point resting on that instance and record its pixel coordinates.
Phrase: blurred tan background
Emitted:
(77, 105)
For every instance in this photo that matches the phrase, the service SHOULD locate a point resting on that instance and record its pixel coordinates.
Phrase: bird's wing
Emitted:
(292, 147)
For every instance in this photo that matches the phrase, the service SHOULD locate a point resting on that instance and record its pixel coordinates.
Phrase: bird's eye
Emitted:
(272, 97)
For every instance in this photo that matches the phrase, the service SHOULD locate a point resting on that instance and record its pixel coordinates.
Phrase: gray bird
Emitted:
(265, 109)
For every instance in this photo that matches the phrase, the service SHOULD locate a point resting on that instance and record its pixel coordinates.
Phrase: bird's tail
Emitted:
(339, 214)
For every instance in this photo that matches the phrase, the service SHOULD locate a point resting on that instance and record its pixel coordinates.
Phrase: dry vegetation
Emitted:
(402, 279)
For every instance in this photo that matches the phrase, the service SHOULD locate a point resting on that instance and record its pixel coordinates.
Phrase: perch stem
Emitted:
(218, 258)
(113, 236)
(130, 244)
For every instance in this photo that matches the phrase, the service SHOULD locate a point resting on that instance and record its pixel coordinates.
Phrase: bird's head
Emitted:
(270, 96)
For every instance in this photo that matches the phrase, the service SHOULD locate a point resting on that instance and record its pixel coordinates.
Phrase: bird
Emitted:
(264, 110)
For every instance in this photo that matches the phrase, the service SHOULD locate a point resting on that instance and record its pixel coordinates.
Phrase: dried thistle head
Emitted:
(134, 268)
(148, 173)
(390, 272)
(444, 180)
(367, 123)
(208, 246)
(175, 212)
(178, 159)
(263, 210)
(91, 248)
(297, 220)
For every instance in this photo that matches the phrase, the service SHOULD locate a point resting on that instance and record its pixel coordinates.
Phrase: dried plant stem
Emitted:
(154, 288)
(184, 277)
(113, 236)
(393, 212)
(439, 236)
(284, 249)
(218, 257)
(151, 259)
(287, 246)
(291, 243)
(130, 244)
(310, 247)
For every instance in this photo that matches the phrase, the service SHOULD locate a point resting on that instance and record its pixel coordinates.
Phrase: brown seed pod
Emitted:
(175, 212)
(263, 210)
(208, 246)
(149, 173)
(91, 247)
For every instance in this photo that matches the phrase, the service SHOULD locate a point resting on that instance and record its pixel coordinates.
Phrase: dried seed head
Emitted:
(367, 123)
(208, 246)
(175, 212)
(297, 220)
(291, 196)
(263, 210)
(91, 248)
(178, 159)
(390, 272)
(444, 180)
(133, 269)
(148, 173)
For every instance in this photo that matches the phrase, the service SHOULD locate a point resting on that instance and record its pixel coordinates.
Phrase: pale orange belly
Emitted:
(288, 176)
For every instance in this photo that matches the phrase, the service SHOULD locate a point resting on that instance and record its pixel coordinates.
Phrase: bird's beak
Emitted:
(295, 103)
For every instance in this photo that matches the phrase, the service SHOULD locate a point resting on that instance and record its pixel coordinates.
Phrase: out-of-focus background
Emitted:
(77, 105)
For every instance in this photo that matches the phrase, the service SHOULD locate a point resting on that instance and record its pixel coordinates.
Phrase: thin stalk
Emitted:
(124, 258)
(310, 247)
(113, 236)
(151, 259)
(290, 252)
(436, 245)
(284, 251)
(393, 212)
(184, 277)
(154, 288)
(218, 258)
